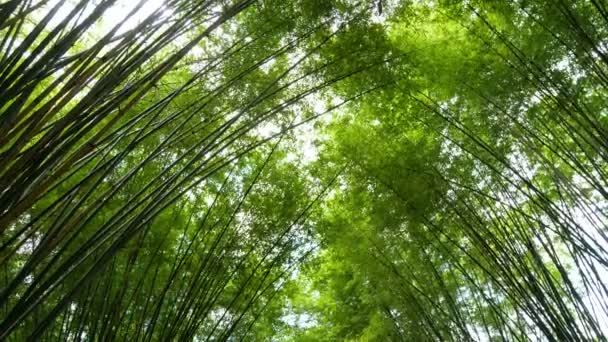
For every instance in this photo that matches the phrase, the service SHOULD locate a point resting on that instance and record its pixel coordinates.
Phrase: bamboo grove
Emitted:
(307, 170)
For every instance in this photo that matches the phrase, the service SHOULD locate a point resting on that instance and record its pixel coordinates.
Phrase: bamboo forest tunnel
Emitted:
(306, 170)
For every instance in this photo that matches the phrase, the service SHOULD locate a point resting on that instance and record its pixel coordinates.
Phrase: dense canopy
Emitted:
(303, 170)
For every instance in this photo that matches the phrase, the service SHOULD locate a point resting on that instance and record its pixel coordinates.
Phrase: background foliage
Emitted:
(310, 170)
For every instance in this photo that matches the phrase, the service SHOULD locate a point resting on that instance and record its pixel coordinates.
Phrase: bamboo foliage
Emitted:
(84, 127)
(508, 241)
(459, 194)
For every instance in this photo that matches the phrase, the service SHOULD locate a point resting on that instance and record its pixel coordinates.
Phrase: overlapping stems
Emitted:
(72, 122)
(91, 157)
(527, 242)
